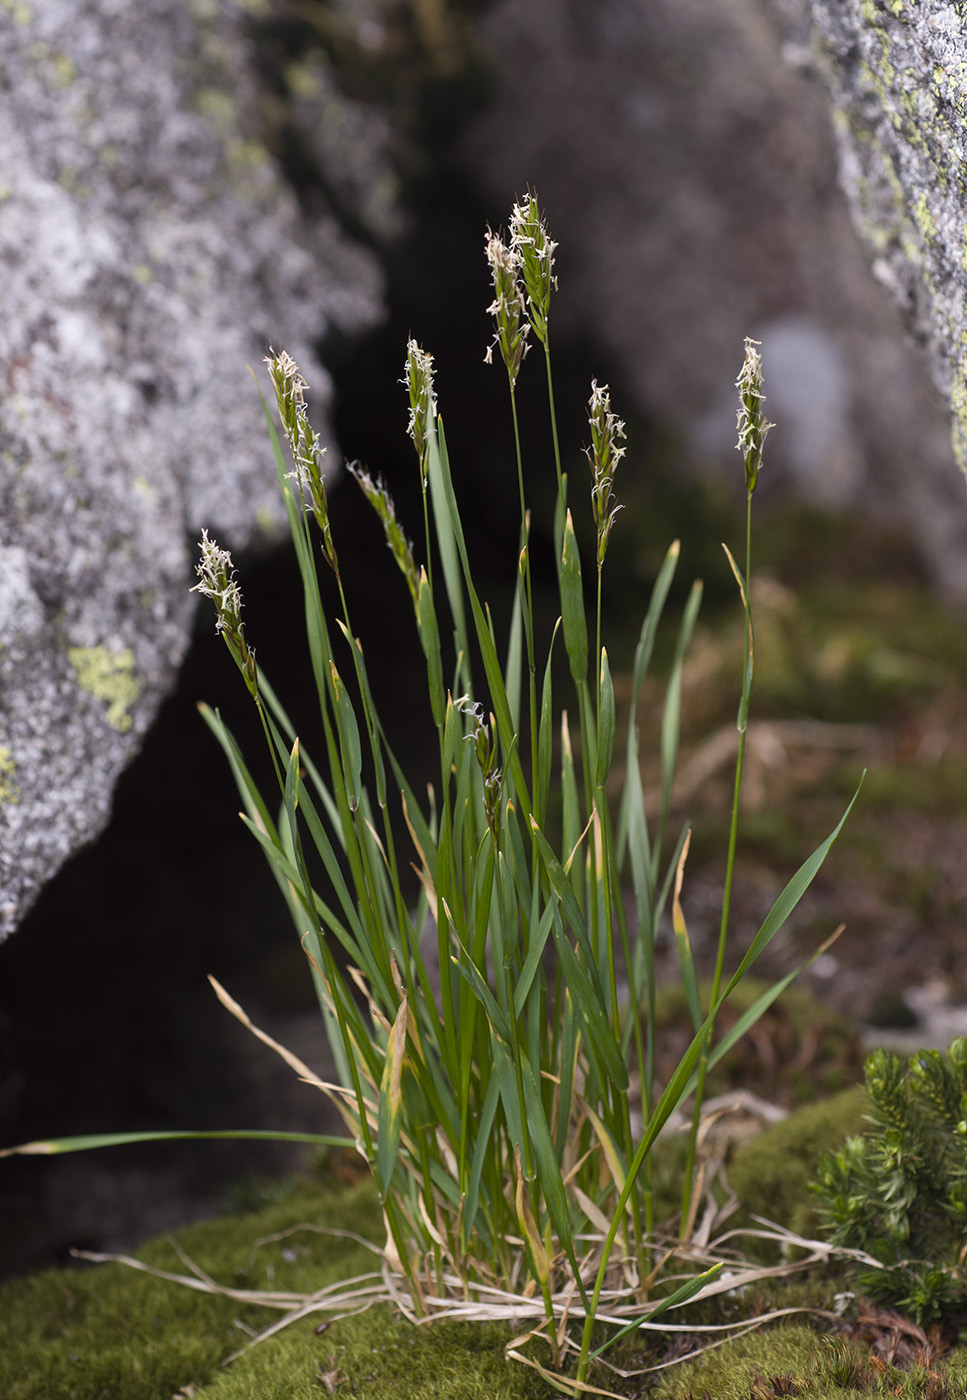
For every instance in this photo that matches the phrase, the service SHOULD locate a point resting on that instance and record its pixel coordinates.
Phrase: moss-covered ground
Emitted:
(94, 1332)
(89, 1333)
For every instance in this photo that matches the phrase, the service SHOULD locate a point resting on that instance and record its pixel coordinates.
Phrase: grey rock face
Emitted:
(895, 73)
(150, 254)
(689, 171)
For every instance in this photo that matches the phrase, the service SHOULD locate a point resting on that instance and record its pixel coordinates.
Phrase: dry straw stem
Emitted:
(489, 1303)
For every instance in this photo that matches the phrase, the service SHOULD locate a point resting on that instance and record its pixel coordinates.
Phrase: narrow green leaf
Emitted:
(589, 1005)
(790, 897)
(514, 841)
(430, 641)
(671, 716)
(649, 628)
(485, 642)
(483, 1146)
(288, 729)
(507, 904)
(562, 888)
(540, 1263)
(498, 1021)
(86, 1142)
(292, 788)
(545, 742)
(606, 722)
(573, 616)
(390, 1110)
(686, 960)
(533, 960)
(348, 728)
(757, 1009)
(571, 824)
(515, 648)
(684, 1294)
(443, 518)
(567, 1059)
(548, 1167)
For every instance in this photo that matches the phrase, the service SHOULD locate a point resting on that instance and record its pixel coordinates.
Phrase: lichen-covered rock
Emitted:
(689, 173)
(150, 252)
(897, 75)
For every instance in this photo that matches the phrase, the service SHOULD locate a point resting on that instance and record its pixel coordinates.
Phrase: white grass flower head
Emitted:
(533, 250)
(751, 423)
(216, 580)
(507, 306)
(307, 453)
(418, 378)
(604, 454)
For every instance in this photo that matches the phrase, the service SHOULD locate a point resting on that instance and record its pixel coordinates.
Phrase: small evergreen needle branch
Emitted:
(482, 1027)
(898, 1193)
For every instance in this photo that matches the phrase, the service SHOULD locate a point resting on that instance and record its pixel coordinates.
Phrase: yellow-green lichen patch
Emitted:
(110, 676)
(144, 487)
(9, 791)
(21, 13)
(958, 404)
(924, 218)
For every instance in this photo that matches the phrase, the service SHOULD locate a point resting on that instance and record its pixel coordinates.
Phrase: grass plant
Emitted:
(491, 1067)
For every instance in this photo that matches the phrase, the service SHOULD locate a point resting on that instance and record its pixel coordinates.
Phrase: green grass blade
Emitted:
(606, 722)
(671, 715)
(545, 742)
(348, 730)
(790, 897)
(573, 616)
(649, 628)
(683, 944)
(684, 1294)
(481, 1151)
(390, 1111)
(513, 670)
(430, 642)
(446, 528)
(86, 1142)
(471, 973)
(549, 1168)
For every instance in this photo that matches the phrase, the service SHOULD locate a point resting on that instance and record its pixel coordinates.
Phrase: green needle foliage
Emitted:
(899, 1193)
(484, 1055)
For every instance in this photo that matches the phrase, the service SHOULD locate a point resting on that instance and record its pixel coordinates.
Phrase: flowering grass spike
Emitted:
(216, 581)
(751, 424)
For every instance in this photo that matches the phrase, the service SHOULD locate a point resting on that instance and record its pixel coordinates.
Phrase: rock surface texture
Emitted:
(150, 253)
(897, 75)
(689, 171)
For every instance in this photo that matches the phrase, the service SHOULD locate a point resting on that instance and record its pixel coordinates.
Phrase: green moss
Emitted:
(93, 1333)
(108, 675)
(771, 1174)
(794, 1360)
(87, 1334)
